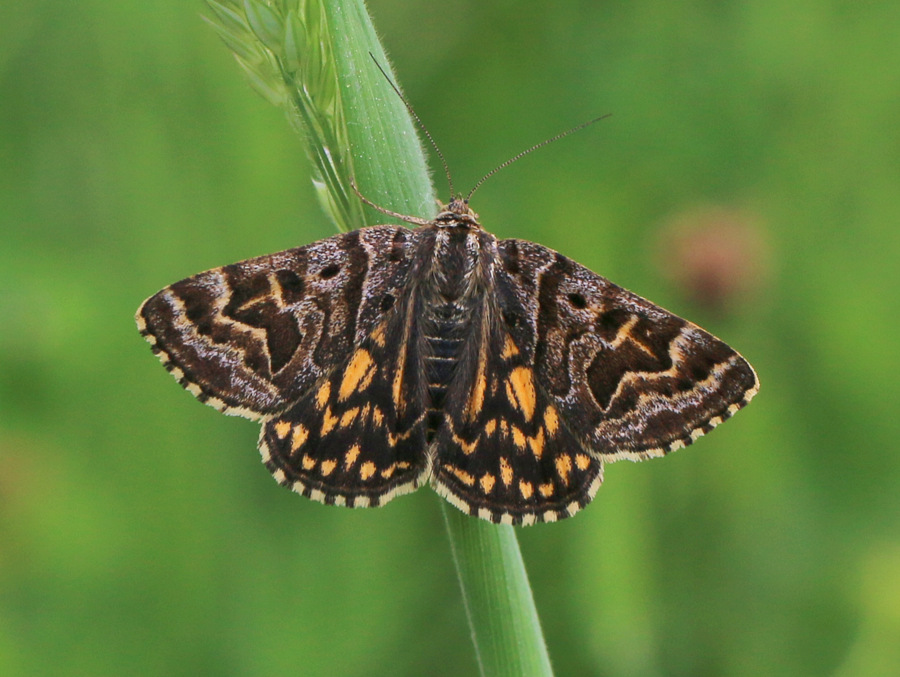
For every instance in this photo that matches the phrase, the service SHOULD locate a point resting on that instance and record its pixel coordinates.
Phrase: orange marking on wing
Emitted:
(298, 438)
(328, 422)
(487, 482)
(509, 348)
(460, 474)
(397, 386)
(377, 416)
(349, 417)
(366, 470)
(282, 428)
(397, 390)
(551, 420)
(476, 398)
(520, 391)
(537, 443)
(518, 437)
(506, 471)
(526, 489)
(378, 336)
(564, 467)
(467, 447)
(351, 456)
(393, 438)
(358, 375)
(323, 395)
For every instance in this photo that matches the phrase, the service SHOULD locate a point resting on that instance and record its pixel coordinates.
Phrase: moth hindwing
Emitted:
(499, 371)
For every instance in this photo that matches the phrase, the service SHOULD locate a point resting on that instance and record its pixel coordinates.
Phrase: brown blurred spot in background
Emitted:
(716, 256)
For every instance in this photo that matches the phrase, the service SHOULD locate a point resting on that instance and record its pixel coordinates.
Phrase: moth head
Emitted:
(457, 213)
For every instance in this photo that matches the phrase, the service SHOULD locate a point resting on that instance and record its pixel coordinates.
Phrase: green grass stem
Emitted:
(314, 59)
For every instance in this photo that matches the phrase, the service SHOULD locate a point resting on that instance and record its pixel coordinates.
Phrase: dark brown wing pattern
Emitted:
(565, 371)
(313, 341)
(251, 338)
(503, 452)
(630, 380)
(546, 370)
(358, 438)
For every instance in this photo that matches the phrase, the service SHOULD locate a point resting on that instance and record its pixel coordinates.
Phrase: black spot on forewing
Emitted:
(292, 286)
(387, 302)
(329, 271)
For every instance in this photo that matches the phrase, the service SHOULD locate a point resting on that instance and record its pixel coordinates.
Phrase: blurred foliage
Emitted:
(139, 532)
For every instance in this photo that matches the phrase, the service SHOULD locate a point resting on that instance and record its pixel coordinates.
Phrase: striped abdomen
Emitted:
(444, 340)
(452, 294)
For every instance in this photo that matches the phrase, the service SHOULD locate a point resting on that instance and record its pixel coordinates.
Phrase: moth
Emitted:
(500, 372)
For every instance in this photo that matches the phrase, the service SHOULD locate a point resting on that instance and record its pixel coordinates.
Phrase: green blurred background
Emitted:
(139, 533)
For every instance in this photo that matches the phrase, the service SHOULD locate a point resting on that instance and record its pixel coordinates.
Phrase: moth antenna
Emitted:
(397, 215)
(418, 122)
(533, 148)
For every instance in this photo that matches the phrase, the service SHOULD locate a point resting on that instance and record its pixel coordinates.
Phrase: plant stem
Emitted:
(314, 59)
(502, 616)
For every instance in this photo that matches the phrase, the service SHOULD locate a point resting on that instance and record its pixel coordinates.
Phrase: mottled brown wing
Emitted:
(628, 379)
(252, 338)
(502, 452)
(358, 437)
